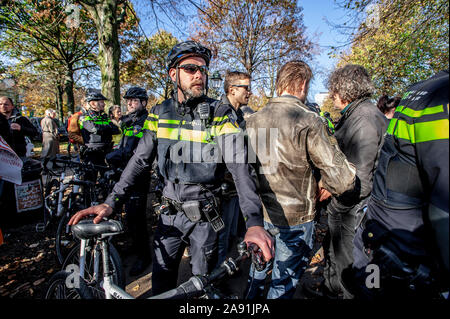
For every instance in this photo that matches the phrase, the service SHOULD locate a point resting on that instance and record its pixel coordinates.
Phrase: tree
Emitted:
(254, 34)
(400, 42)
(328, 106)
(110, 19)
(147, 67)
(37, 35)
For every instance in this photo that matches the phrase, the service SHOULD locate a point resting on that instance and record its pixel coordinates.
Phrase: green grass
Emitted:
(38, 148)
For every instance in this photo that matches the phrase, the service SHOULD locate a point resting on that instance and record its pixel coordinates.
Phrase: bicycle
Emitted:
(52, 184)
(94, 255)
(91, 194)
(197, 286)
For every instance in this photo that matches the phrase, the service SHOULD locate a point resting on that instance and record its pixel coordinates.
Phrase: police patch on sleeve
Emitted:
(137, 129)
(233, 119)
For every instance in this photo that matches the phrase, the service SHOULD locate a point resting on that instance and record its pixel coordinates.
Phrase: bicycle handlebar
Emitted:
(191, 288)
(196, 284)
(83, 165)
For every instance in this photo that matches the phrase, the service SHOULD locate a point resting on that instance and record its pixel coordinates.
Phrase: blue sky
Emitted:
(314, 14)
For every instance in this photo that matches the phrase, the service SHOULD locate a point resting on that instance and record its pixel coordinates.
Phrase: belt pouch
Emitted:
(192, 210)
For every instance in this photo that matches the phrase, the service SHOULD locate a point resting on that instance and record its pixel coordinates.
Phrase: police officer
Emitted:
(96, 130)
(237, 88)
(194, 139)
(403, 238)
(132, 126)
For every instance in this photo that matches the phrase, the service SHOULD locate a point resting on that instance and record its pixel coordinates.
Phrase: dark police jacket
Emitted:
(412, 177)
(193, 155)
(97, 130)
(132, 129)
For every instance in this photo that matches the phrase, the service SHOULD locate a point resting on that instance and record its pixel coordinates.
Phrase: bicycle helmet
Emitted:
(136, 93)
(94, 95)
(186, 49)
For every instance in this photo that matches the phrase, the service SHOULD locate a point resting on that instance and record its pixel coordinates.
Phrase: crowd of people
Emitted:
(380, 174)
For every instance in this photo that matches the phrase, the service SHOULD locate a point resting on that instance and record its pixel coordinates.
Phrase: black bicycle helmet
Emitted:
(94, 95)
(136, 92)
(186, 49)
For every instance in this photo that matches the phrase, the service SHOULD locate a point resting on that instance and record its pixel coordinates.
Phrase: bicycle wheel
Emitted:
(64, 240)
(52, 202)
(57, 287)
(95, 290)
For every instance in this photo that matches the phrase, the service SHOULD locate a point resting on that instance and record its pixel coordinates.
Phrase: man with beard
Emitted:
(194, 140)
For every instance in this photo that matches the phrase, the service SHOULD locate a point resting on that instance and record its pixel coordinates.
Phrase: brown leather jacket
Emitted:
(298, 144)
(73, 129)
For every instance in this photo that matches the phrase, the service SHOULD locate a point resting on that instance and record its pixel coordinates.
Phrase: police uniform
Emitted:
(96, 129)
(193, 155)
(132, 126)
(405, 230)
(230, 205)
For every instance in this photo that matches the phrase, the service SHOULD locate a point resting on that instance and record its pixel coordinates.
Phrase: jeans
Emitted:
(230, 215)
(293, 245)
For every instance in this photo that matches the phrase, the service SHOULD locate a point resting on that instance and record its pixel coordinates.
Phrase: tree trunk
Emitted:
(59, 100)
(68, 89)
(104, 15)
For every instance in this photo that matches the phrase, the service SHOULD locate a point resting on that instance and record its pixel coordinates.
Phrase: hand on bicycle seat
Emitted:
(262, 239)
(102, 210)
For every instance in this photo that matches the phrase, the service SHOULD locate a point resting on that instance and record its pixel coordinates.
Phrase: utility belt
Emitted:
(207, 210)
(228, 190)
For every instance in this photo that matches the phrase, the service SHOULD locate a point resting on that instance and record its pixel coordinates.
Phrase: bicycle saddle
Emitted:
(86, 229)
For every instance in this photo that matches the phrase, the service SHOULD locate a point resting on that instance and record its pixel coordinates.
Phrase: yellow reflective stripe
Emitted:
(419, 132)
(194, 136)
(97, 122)
(226, 128)
(185, 135)
(165, 121)
(150, 125)
(392, 123)
(220, 119)
(153, 115)
(131, 133)
(415, 114)
(431, 131)
(168, 133)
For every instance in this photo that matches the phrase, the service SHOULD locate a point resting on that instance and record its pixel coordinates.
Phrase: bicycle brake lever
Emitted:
(257, 258)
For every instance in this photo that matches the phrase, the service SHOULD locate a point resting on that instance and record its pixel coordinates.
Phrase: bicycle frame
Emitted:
(196, 286)
(112, 291)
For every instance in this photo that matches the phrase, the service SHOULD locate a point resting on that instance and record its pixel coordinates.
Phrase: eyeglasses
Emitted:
(193, 68)
(248, 88)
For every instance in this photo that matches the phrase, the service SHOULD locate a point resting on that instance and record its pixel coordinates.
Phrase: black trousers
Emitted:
(136, 216)
(172, 235)
(338, 248)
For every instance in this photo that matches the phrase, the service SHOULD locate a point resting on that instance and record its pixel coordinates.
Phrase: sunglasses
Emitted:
(248, 88)
(193, 68)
